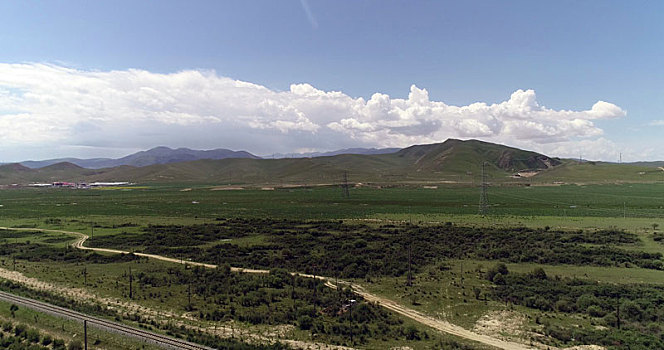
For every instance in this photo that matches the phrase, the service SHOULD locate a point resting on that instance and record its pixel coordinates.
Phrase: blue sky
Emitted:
(571, 54)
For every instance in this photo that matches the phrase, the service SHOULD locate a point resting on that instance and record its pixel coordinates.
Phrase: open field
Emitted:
(640, 201)
(230, 227)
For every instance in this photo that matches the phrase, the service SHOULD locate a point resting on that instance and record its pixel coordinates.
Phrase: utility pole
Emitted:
(350, 310)
(131, 279)
(92, 231)
(315, 285)
(189, 295)
(409, 281)
(618, 310)
(484, 200)
(85, 333)
(344, 186)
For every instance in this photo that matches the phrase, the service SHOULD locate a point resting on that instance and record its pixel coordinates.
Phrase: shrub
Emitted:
(539, 274)
(33, 335)
(565, 305)
(610, 319)
(499, 268)
(58, 344)
(46, 340)
(595, 311)
(631, 310)
(21, 330)
(654, 328)
(412, 333)
(75, 345)
(586, 300)
(304, 322)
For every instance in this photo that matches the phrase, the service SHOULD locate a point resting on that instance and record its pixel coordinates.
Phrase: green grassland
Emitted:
(445, 283)
(630, 201)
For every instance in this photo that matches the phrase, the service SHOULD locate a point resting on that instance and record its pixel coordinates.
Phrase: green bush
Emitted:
(610, 319)
(499, 268)
(75, 345)
(46, 340)
(498, 279)
(565, 305)
(21, 330)
(33, 335)
(304, 322)
(586, 300)
(58, 344)
(595, 311)
(631, 310)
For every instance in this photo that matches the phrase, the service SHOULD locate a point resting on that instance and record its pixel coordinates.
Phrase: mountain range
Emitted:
(366, 151)
(157, 155)
(452, 161)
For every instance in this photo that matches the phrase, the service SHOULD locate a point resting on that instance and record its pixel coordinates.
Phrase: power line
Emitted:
(484, 200)
(344, 186)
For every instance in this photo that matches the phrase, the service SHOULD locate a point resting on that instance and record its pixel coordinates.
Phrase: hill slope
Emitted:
(462, 156)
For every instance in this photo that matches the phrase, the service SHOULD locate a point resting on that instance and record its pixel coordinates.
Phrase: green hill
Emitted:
(462, 156)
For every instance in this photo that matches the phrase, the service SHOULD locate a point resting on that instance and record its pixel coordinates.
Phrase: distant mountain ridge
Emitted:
(157, 155)
(452, 161)
(366, 151)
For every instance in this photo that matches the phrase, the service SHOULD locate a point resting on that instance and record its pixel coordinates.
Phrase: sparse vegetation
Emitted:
(333, 248)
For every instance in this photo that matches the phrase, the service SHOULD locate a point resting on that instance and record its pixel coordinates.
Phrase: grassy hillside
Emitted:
(462, 156)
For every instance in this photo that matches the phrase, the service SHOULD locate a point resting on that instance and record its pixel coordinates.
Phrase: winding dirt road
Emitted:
(434, 323)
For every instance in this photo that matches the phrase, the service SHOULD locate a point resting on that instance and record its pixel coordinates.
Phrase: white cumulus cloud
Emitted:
(53, 107)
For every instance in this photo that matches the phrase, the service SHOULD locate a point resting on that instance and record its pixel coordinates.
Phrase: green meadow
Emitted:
(623, 201)
(445, 285)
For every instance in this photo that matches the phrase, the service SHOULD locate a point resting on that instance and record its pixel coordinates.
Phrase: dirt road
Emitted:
(434, 323)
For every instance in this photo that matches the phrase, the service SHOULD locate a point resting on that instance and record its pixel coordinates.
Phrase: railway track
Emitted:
(115, 327)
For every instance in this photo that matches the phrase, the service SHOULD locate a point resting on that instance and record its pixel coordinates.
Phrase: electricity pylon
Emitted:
(484, 200)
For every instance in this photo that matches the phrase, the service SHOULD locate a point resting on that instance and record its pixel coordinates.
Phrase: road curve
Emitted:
(434, 323)
(155, 338)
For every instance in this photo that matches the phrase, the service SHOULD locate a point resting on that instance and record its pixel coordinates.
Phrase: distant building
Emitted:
(107, 184)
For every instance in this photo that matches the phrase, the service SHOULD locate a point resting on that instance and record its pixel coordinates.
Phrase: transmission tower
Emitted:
(484, 200)
(344, 186)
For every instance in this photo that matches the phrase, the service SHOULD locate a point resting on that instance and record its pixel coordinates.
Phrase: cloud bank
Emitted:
(53, 107)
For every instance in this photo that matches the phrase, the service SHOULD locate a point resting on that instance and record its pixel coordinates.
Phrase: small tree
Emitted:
(655, 226)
